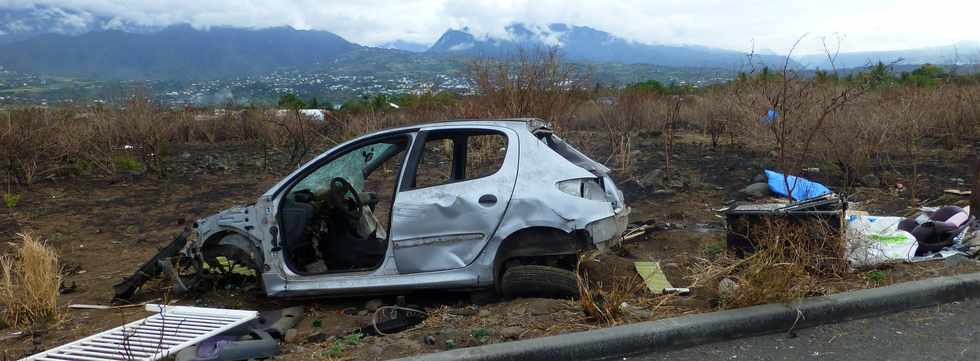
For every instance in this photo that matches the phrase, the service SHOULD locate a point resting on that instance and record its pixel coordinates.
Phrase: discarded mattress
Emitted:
(800, 188)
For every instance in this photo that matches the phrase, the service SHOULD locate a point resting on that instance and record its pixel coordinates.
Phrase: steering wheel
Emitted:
(342, 186)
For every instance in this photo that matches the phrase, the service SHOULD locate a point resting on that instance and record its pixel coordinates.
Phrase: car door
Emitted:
(453, 194)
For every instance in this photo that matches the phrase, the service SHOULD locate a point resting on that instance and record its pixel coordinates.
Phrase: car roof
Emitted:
(513, 123)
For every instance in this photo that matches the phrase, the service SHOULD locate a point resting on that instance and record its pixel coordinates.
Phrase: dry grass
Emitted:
(791, 261)
(29, 284)
(604, 301)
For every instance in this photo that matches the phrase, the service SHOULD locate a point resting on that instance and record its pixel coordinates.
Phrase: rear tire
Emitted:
(539, 281)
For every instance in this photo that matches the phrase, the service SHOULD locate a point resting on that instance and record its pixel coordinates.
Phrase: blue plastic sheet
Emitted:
(801, 187)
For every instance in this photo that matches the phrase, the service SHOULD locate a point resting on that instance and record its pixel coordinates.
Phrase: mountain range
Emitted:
(176, 52)
(51, 41)
(581, 43)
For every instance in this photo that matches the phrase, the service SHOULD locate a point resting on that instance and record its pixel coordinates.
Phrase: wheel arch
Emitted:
(237, 241)
(537, 242)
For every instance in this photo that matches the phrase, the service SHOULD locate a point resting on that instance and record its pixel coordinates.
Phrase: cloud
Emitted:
(738, 25)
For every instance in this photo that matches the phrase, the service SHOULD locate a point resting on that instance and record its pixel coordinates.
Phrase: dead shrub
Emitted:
(29, 284)
(792, 260)
(605, 287)
(532, 84)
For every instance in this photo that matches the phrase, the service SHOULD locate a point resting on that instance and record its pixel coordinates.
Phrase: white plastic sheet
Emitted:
(873, 240)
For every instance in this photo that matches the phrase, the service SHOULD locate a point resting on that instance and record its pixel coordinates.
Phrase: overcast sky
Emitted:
(736, 24)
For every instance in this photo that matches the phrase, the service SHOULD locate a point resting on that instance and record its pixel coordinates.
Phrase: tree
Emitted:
(651, 86)
(291, 101)
(927, 75)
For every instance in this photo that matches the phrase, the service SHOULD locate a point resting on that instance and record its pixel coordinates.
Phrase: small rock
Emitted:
(467, 311)
(544, 307)
(429, 340)
(185, 155)
(511, 332)
(484, 313)
(670, 268)
(651, 179)
(362, 313)
(955, 260)
(757, 190)
(375, 350)
(373, 304)
(870, 180)
(290, 336)
(726, 288)
(638, 313)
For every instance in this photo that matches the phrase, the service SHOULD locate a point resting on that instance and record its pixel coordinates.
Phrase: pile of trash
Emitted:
(870, 240)
(933, 233)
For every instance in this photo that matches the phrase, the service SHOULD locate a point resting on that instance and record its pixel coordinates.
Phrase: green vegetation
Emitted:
(10, 200)
(714, 249)
(340, 345)
(876, 276)
(127, 163)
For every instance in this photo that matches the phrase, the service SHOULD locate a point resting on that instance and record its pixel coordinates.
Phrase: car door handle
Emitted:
(487, 200)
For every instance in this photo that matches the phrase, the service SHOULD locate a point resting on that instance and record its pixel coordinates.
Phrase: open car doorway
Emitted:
(336, 217)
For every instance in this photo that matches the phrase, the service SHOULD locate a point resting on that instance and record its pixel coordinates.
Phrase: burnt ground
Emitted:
(104, 229)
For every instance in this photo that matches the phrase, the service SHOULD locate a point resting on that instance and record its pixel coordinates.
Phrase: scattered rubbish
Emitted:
(13, 335)
(958, 192)
(653, 276)
(757, 190)
(636, 231)
(168, 330)
(678, 290)
(875, 240)
(743, 220)
(65, 289)
(727, 288)
(936, 233)
(392, 319)
(124, 290)
(107, 307)
(258, 345)
(800, 188)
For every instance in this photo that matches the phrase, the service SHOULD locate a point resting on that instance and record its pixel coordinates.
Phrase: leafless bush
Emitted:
(27, 146)
(535, 84)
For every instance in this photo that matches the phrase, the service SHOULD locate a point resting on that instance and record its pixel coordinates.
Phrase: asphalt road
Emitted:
(946, 332)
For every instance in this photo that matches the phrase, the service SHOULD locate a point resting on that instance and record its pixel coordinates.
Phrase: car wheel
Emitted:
(539, 281)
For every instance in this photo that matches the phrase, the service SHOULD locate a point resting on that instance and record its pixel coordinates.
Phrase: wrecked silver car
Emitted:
(462, 205)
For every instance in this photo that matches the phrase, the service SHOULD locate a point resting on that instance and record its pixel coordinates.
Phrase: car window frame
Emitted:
(410, 171)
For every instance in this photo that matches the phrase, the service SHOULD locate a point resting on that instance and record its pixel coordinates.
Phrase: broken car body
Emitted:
(450, 205)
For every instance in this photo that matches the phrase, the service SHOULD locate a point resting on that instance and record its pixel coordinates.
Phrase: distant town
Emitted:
(21, 88)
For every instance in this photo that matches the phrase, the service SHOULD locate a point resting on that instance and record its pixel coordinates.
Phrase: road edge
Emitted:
(687, 331)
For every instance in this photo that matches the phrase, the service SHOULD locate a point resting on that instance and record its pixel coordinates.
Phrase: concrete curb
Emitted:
(686, 331)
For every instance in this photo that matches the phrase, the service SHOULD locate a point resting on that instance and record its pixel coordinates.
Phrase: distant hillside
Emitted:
(177, 52)
(588, 44)
(960, 53)
(405, 45)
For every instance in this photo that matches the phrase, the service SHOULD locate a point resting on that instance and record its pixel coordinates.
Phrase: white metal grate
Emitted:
(170, 329)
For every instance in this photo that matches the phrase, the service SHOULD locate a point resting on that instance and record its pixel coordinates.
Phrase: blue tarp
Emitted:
(802, 188)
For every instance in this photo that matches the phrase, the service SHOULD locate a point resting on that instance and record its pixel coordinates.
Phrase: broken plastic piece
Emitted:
(231, 348)
(653, 276)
